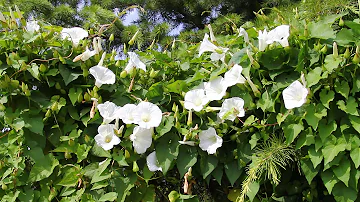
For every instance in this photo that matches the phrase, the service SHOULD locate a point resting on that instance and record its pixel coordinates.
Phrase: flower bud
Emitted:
(42, 68)
(57, 86)
(132, 72)
(87, 97)
(54, 106)
(2, 107)
(117, 64)
(253, 87)
(80, 98)
(153, 73)
(4, 186)
(173, 44)
(132, 40)
(87, 138)
(111, 38)
(357, 50)
(48, 113)
(62, 91)
(27, 93)
(341, 22)
(347, 53)
(324, 49)
(24, 87)
(135, 167)
(152, 44)
(67, 155)
(356, 59)
(123, 74)
(335, 50)
(189, 121)
(127, 154)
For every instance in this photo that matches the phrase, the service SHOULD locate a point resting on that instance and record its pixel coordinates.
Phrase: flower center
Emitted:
(198, 102)
(145, 117)
(108, 138)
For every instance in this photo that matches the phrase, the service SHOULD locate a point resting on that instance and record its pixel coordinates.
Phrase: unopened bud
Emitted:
(42, 68)
(347, 53)
(341, 22)
(253, 87)
(135, 167)
(132, 40)
(356, 59)
(324, 49)
(173, 44)
(112, 37)
(189, 121)
(18, 12)
(87, 97)
(123, 74)
(152, 44)
(153, 73)
(335, 50)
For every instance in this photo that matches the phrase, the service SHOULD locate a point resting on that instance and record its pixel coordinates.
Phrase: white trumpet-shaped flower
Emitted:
(152, 162)
(32, 26)
(141, 138)
(218, 53)
(134, 62)
(233, 76)
(147, 115)
(97, 45)
(262, 38)
(106, 137)
(109, 111)
(279, 34)
(126, 113)
(242, 32)
(232, 108)
(85, 55)
(195, 99)
(215, 89)
(295, 95)
(209, 140)
(102, 74)
(75, 34)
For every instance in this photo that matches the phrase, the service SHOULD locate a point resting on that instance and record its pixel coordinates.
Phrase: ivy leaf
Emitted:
(315, 156)
(313, 77)
(331, 62)
(111, 196)
(314, 114)
(325, 129)
(326, 97)
(350, 107)
(207, 164)
(43, 166)
(232, 172)
(342, 171)
(167, 150)
(218, 173)
(74, 94)
(329, 180)
(308, 169)
(97, 177)
(342, 88)
(292, 131)
(67, 75)
(70, 177)
(355, 156)
(306, 138)
(186, 159)
(330, 151)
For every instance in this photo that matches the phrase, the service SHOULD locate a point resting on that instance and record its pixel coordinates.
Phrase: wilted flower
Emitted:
(209, 140)
(242, 32)
(215, 89)
(232, 108)
(295, 95)
(126, 113)
(141, 138)
(109, 111)
(85, 55)
(32, 26)
(106, 137)
(262, 40)
(75, 34)
(152, 162)
(279, 34)
(195, 99)
(147, 115)
(134, 62)
(102, 74)
(233, 76)
(218, 53)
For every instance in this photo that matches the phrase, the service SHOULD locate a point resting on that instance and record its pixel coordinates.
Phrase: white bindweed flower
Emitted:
(109, 111)
(295, 95)
(97, 45)
(147, 115)
(232, 108)
(233, 76)
(263, 37)
(209, 140)
(85, 55)
(141, 138)
(32, 26)
(106, 137)
(242, 32)
(75, 34)
(218, 53)
(215, 89)
(152, 162)
(126, 113)
(134, 62)
(102, 74)
(279, 34)
(195, 99)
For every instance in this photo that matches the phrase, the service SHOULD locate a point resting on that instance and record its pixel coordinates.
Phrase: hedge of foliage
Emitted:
(259, 116)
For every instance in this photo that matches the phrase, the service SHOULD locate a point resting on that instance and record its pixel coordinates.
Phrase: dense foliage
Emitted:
(290, 133)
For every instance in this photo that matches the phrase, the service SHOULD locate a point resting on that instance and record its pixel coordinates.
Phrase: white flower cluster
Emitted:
(280, 34)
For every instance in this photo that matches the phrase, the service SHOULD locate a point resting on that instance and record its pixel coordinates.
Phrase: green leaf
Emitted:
(331, 151)
(355, 156)
(218, 173)
(165, 126)
(342, 88)
(167, 150)
(355, 122)
(178, 87)
(326, 97)
(342, 172)
(345, 37)
(273, 59)
(100, 152)
(292, 131)
(111, 196)
(186, 159)
(266, 103)
(314, 114)
(74, 94)
(350, 107)
(67, 75)
(332, 62)
(207, 164)
(97, 177)
(70, 178)
(253, 190)
(34, 71)
(306, 138)
(329, 180)
(344, 194)
(234, 194)
(308, 169)
(34, 123)
(123, 185)
(325, 129)
(316, 157)
(232, 172)
(43, 166)
(313, 77)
